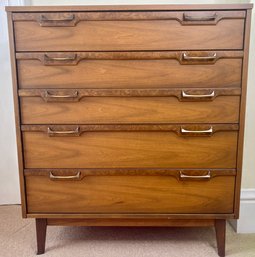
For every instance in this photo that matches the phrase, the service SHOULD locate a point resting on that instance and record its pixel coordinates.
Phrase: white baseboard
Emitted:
(246, 221)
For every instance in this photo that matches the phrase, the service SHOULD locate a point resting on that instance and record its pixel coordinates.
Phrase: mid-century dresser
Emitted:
(130, 115)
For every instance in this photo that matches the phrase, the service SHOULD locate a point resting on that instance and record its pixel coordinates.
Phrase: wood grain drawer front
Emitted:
(181, 106)
(129, 69)
(111, 146)
(108, 31)
(130, 194)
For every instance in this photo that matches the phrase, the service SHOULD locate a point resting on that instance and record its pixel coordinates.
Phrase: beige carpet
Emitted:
(17, 239)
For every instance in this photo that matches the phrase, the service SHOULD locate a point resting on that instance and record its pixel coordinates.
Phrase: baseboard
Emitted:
(246, 221)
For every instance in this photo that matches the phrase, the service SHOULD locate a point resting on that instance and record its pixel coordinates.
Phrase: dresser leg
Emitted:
(220, 229)
(41, 226)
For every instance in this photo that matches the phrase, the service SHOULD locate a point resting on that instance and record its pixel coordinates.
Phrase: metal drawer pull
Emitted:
(57, 132)
(188, 17)
(46, 19)
(207, 176)
(49, 95)
(199, 58)
(73, 58)
(72, 177)
(186, 95)
(208, 131)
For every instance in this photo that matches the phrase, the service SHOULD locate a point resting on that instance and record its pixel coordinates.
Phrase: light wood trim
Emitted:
(131, 222)
(175, 92)
(71, 18)
(127, 171)
(131, 127)
(73, 58)
(172, 7)
(242, 114)
(17, 116)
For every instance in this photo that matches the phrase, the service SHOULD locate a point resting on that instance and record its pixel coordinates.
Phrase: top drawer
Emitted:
(109, 31)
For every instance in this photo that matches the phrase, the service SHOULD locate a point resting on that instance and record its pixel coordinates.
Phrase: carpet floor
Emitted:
(17, 239)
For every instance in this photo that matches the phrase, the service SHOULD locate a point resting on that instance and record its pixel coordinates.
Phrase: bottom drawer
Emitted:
(155, 192)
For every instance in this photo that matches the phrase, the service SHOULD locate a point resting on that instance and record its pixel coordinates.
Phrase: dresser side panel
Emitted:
(242, 113)
(17, 113)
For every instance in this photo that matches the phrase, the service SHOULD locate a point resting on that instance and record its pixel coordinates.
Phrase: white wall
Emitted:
(9, 185)
(248, 180)
(9, 189)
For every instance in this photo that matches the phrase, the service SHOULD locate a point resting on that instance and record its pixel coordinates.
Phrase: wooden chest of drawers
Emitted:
(131, 115)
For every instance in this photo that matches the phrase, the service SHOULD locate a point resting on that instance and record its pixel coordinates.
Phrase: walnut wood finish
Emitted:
(176, 128)
(220, 229)
(242, 113)
(41, 227)
(132, 216)
(130, 171)
(131, 222)
(160, 7)
(132, 34)
(134, 194)
(70, 19)
(106, 101)
(129, 70)
(223, 109)
(130, 149)
(17, 115)
(183, 94)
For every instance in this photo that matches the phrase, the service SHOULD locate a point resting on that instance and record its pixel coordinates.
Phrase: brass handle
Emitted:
(64, 132)
(198, 58)
(72, 177)
(49, 95)
(186, 95)
(60, 59)
(183, 176)
(208, 131)
(188, 17)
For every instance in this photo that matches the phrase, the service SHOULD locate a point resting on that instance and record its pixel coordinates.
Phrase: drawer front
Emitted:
(69, 107)
(100, 146)
(129, 31)
(129, 69)
(130, 194)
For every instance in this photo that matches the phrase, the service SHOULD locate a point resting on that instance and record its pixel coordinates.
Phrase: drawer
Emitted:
(106, 31)
(50, 192)
(130, 69)
(130, 106)
(127, 146)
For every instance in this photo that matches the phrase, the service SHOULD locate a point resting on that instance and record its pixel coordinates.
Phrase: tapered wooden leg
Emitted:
(41, 226)
(220, 229)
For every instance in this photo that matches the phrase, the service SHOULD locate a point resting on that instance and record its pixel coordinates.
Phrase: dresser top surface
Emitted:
(172, 7)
